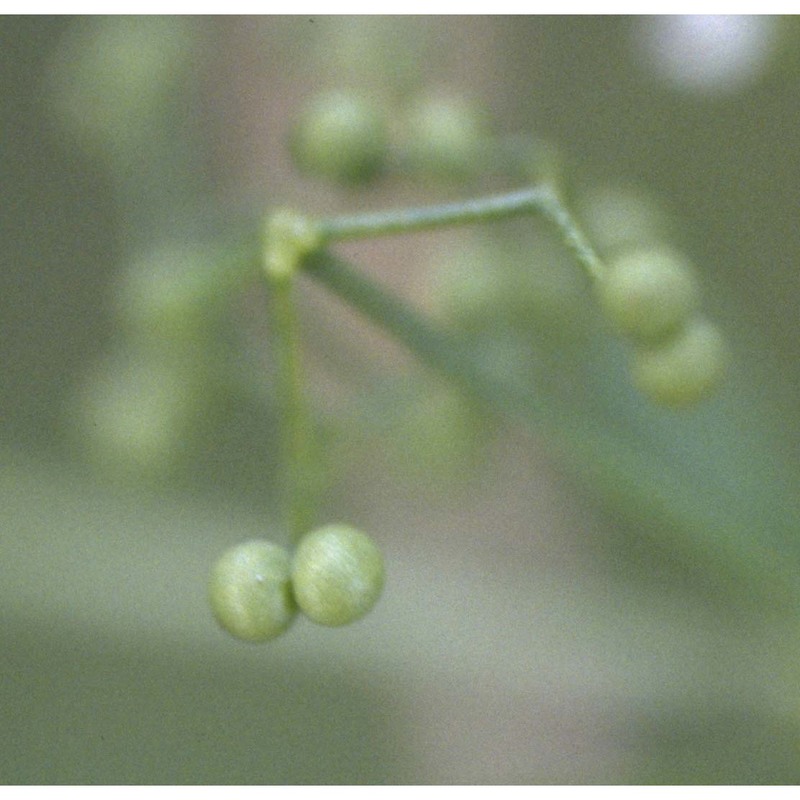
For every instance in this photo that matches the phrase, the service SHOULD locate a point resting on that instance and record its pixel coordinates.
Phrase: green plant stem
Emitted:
(716, 534)
(542, 200)
(436, 348)
(297, 435)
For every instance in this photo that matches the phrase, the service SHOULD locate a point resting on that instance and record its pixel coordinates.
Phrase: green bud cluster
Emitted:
(141, 404)
(650, 296)
(334, 577)
(346, 138)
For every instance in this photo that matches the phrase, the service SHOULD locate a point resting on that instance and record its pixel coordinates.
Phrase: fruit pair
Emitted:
(651, 297)
(334, 577)
(345, 138)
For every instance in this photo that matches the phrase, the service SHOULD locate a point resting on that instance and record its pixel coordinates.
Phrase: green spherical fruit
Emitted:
(683, 370)
(337, 575)
(617, 217)
(648, 294)
(170, 296)
(446, 136)
(341, 138)
(250, 591)
(138, 410)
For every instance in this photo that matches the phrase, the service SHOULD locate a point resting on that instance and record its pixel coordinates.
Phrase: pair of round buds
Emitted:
(346, 138)
(651, 297)
(334, 577)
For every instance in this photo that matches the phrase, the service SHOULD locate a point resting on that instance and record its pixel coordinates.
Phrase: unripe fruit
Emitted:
(446, 136)
(337, 575)
(619, 217)
(250, 591)
(138, 409)
(648, 294)
(683, 370)
(171, 295)
(342, 138)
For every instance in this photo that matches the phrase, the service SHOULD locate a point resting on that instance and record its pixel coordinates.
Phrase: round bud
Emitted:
(683, 370)
(648, 294)
(342, 138)
(446, 136)
(171, 295)
(337, 575)
(138, 409)
(619, 217)
(250, 591)
(116, 83)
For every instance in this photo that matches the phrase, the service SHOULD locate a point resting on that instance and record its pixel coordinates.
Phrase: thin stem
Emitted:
(407, 220)
(443, 352)
(718, 535)
(297, 438)
(574, 238)
(607, 453)
(542, 200)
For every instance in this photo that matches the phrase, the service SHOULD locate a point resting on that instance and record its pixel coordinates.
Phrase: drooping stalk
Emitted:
(296, 426)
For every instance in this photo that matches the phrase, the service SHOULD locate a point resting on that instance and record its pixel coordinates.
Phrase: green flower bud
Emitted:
(341, 138)
(446, 137)
(648, 294)
(250, 591)
(683, 370)
(136, 410)
(174, 294)
(337, 575)
(617, 217)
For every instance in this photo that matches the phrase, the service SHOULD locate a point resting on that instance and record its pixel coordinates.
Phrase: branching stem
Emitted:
(542, 200)
(719, 535)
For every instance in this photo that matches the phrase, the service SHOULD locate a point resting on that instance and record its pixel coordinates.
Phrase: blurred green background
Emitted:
(552, 614)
